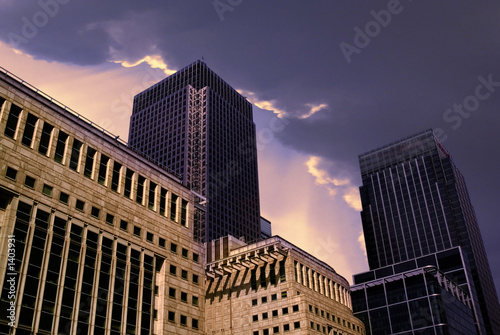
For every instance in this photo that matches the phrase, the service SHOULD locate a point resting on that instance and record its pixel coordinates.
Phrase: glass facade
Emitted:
(202, 129)
(415, 205)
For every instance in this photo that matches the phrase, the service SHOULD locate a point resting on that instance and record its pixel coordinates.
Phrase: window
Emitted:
(196, 258)
(253, 279)
(265, 332)
(171, 316)
(283, 294)
(173, 248)
(274, 297)
(63, 197)
(47, 190)
(184, 297)
(256, 332)
(43, 147)
(140, 189)
(110, 218)
(163, 199)
(295, 308)
(173, 207)
(149, 237)
(29, 182)
(137, 231)
(171, 292)
(89, 163)
(123, 225)
(194, 300)
(155, 314)
(264, 300)
(263, 277)
(194, 323)
(152, 196)
(62, 138)
(196, 279)
(311, 309)
(282, 271)
(173, 270)
(255, 318)
(157, 289)
(185, 253)
(95, 212)
(184, 274)
(286, 328)
(12, 120)
(184, 204)
(312, 325)
(275, 313)
(115, 179)
(285, 311)
(11, 173)
(265, 316)
(75, 155)
(128, 183)
(183, 320)
(80, 205)
(29, 130)
(296, 324)
(103, 170)
(276, 329)
(254, 302)
(161, 242)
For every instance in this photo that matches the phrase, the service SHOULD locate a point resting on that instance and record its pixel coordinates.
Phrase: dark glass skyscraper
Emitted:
(417, 213)
(197, 125)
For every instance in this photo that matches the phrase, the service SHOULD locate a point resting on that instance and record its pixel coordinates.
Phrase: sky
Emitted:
(329, 80)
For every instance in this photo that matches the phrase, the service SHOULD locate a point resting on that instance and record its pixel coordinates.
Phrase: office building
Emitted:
(417, 213)
(94, 238)
(274, 287)
(201, 128)
(265, 228)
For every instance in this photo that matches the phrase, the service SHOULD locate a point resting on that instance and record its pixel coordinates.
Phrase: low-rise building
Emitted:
(272, 287)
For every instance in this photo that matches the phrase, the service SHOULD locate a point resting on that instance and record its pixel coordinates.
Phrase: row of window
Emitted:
(274, 297)
(96, 166)
(331, 317)
(182, 320)
(95, 212)
(184, 274)
(274, 313)
(172, 293)
(276, 329)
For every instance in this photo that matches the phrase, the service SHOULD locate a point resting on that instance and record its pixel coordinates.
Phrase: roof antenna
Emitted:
(203, 59)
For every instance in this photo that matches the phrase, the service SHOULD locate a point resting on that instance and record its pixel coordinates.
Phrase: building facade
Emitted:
(415, 208)
(201, 128)
(273, 287)
(94, 239)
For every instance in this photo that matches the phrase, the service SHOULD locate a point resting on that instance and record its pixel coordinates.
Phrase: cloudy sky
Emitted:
(329, 80)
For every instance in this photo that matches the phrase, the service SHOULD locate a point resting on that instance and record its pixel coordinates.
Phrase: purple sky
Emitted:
(344, 77)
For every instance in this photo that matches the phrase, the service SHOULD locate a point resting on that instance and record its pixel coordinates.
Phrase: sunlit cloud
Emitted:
(262, 104)
(361, 240)
(321, 175)
(351, 197)
(154, 61)
(313, 110)
(334, 186)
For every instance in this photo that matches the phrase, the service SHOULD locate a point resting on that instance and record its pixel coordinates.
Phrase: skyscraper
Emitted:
(197, 125)
(417, 213)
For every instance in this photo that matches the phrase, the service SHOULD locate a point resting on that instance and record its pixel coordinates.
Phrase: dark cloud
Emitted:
(403, 80)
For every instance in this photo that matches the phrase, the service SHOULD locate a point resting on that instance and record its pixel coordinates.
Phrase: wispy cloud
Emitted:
(313, 110)
(344, 186)
(154, 61)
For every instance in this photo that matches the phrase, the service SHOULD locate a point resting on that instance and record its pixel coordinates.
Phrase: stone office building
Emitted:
(102, 239)
(273, 287)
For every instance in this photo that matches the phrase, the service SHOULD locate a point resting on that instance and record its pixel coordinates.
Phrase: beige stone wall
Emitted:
(235, 306)
(157, 232)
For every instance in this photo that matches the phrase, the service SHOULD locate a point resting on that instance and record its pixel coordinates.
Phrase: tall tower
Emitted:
(417, 213)
(197, 125)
